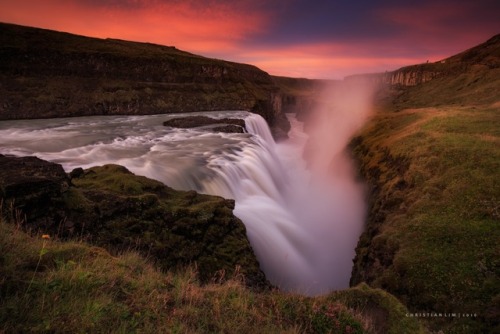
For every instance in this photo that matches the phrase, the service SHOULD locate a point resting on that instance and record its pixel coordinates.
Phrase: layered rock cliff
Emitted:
(302, 96)
(46, 74)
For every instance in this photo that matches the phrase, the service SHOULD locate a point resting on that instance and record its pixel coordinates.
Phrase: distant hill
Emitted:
(469, 78)
(45, 73)
(300, 94)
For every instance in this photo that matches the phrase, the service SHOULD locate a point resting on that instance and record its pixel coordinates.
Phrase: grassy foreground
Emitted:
(70, 287)
(433, 236)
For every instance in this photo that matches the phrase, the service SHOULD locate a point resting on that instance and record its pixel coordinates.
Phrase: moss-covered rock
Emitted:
(118, 210)
(383, 311)
(31, 188)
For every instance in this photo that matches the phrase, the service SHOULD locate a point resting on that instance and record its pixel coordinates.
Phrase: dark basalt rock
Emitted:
(34, 186)
(197, 121)
(228, 129)
(115, 209)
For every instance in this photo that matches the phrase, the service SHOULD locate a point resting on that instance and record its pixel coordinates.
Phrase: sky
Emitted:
(323, 39)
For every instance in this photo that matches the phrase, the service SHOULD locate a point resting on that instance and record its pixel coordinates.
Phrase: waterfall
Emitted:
(303, 228)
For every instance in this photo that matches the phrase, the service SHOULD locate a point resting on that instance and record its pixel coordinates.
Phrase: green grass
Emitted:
(432, 238)
(77, 288)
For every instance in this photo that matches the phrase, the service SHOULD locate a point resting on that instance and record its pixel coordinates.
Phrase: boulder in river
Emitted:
(224, 124)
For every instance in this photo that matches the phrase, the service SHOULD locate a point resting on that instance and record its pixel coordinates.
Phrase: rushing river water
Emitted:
(303, 228)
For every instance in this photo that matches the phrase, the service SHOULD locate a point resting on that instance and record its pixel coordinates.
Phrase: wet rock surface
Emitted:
(224, 124)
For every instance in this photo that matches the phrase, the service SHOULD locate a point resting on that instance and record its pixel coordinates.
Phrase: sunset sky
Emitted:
(299, 38)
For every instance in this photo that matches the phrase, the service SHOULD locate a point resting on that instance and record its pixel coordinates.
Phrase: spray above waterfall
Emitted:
(303, 231)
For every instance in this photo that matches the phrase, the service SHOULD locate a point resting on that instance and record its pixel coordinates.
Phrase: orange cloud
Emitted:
(326, 60)
(187, 25)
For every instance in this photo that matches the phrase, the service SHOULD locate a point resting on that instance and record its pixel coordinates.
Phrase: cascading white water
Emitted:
(297, 224)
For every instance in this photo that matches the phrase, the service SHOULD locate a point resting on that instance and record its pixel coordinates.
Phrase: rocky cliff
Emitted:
(302, 96)
(47, 74)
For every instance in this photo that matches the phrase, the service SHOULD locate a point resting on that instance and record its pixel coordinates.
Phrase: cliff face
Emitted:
(47, 74)
(410, 77)
(303, 96)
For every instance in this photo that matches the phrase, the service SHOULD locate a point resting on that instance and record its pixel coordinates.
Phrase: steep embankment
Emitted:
(45, 74)
(431, 158)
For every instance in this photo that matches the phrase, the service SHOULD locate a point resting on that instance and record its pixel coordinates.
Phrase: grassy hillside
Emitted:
(112, 208)
(432, 236)
(102, 250)
(431, 157)
(50, 286)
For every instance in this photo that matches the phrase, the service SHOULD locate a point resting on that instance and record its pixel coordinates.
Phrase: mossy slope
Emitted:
(431, 157)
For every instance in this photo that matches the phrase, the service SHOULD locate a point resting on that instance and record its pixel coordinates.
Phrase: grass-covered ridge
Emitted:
(432, 237)
(71, 287)
(431, 157)
(133, 255)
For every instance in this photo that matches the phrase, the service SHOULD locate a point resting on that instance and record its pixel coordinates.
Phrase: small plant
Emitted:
(43, 251)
